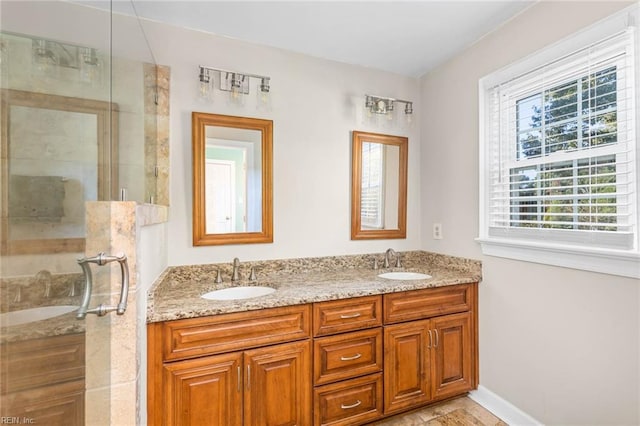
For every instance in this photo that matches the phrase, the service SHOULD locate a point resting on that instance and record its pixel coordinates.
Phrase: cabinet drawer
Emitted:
(190, 338)
(347, 355)
(34, 363)
(349, 402)
(418, 304)
(55, 405)
(338, 316)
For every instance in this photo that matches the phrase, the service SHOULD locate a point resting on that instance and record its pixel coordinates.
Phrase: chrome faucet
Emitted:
(44, 277)
(391, 252)
(235, 275)
(18, 297)
(387, 254)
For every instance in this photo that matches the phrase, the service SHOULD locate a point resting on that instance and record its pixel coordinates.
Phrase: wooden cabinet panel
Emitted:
(338, 316)
(55, 405)
(278, 385)
(194, 337)
(431, 302)
(349, 402)
(406, 365)
(347, 355)
(255, 368)
(204, 391)
(452, 355)
(40, 362)
(444, 346)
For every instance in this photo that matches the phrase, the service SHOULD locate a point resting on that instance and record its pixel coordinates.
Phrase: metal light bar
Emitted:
(383, 105)
(233, 81)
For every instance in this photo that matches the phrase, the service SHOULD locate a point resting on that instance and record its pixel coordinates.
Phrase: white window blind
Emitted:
(561, 150)
(372, 203)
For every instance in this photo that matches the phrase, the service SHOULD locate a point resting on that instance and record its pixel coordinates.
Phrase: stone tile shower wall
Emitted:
(156, 133)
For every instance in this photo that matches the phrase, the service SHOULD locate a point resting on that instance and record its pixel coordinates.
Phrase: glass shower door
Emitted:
(58, 143)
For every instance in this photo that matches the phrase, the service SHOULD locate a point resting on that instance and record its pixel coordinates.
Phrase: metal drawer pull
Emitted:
(350, 358)
(356, 315)
(437, 339)
(354, 405)
(430, 339)
(239, 379)
(248, 376)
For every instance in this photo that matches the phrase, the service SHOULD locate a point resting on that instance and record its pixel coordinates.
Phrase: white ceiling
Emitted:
(404, 37)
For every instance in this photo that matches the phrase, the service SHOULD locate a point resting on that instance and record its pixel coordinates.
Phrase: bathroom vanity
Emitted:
(44, 380)
(354, 348)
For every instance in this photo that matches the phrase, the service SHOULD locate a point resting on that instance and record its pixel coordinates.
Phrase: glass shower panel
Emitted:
(59, 135)
(134, 85)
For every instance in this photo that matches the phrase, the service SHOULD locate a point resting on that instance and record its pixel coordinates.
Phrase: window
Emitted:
(373, 190)
(559, 162)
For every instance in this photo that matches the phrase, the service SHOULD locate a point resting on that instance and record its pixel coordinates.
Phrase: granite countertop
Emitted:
(32, 297)
(57, 326)
(176, 294)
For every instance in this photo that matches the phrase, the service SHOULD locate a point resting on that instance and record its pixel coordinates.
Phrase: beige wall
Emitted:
(560, 344)
(316, 105)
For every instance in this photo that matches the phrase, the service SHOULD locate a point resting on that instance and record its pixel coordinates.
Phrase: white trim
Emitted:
(617, 22)
(502, 408)
(613, 262)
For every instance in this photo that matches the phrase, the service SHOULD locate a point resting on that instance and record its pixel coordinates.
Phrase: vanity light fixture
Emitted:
(48, 54)
(385, 106)
(236, 83)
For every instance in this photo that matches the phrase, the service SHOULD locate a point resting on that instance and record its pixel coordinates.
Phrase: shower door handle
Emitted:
(102, 259)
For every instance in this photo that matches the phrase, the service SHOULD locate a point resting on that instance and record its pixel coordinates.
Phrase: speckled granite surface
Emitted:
(176, 293)
(32, 297)
(63, 324)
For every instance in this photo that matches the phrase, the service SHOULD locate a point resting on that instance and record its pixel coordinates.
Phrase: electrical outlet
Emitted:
(437, 231)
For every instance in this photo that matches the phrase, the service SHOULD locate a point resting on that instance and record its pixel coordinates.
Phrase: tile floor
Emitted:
(457, 412)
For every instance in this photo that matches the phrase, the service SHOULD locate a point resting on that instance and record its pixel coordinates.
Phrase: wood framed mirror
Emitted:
(57, 153)
(378, 186)
(232, 179)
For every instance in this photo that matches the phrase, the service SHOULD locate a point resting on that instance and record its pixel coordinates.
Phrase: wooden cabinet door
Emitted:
(204, 391)
(451, 355)
(278, 385)
(56, 405)
(406, 365)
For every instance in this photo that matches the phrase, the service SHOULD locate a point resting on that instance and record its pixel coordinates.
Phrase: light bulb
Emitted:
(236, 97)
(90, 65)
(264, 101)
(205, 90)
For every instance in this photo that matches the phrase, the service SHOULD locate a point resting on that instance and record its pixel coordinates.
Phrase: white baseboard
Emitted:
(502, 408)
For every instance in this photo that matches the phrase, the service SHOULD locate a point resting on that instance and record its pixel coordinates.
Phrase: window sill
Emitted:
(613, 262)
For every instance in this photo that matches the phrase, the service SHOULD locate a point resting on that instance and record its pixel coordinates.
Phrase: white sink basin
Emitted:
(26, 316)
(404, 276)
(235, 293)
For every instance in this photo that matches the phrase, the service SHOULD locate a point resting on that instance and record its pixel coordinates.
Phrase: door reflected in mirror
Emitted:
(379, 186)
(232, 180)
(233, 175)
